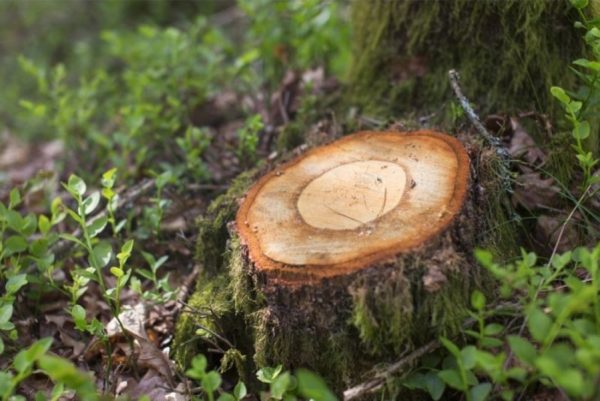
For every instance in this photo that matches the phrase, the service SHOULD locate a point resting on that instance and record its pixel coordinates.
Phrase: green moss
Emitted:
(212, 226)
(206, 309)
(508, 53)
(399, 313)
(211, 305)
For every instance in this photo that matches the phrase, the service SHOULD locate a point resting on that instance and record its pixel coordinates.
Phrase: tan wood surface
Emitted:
(346, 205)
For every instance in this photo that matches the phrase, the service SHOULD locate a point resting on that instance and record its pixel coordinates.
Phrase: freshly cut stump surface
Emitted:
(348, 205)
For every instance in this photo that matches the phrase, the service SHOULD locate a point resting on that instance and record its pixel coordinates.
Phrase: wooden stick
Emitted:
(379, 380)
(492, 141)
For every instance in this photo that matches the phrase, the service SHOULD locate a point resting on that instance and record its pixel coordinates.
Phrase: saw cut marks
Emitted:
(351, 195)
(346, 205)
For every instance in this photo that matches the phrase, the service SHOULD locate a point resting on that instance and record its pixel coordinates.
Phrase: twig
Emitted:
(492, 141)
(379, 379)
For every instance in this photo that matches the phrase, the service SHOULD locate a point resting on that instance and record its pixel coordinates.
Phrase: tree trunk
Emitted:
(508, 52)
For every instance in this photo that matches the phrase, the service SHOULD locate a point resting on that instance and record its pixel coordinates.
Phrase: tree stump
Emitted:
(357, 251)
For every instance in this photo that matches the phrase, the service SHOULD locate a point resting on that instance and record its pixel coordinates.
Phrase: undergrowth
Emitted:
(125, 102)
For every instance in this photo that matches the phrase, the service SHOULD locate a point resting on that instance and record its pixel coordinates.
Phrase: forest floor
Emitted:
(102, 261)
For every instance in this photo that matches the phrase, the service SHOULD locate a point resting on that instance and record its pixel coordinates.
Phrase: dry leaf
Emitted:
(523, 146)
(548, 229)
(533, 192)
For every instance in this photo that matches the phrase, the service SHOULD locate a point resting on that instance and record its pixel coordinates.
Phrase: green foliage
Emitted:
(248, 139)
(162, 75)
(304, 384)
(295, 34)
(27, 266)
(582, 107)
(556, 345)
(282, 385)
(62, 372)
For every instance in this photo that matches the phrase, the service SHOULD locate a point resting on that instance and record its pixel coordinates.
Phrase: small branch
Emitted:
(492, 141)
(379, 380)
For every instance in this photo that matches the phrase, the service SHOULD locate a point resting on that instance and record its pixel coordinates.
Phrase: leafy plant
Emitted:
(556, 345)
(581, 107)
(62, 372)
(248, 139)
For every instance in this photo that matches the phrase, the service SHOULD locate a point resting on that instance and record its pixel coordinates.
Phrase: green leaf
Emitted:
(312, 386)
(523, 349)
(127, 247)
(96, 226)
(560, 261)
(14, 220)
(15, 244)
(572, 381)
(198, 369)
(579, 4)
(560, 94)
(493, 329)
(582, 130)
(72, 238)
(6, 379)
(76, 185)
(468, 357)
(574, 106)
(44, 224)
(592, 65)
(478, 300)
(108, 178)
(239, 391)
(450, 346)
(74, 216)
(434, 386)
(62, 371)
(480, 391)
(268, 374)
(452, 378)
(538, 323)
(79, 317)
(102, 254)
(26, 358)
(1, 346)
(14, 198)
(280, 385)
(91, 202)
(226, 397)
(484, 257)
(117, 272)
(14, 284)
(6, 312)
(211, 381)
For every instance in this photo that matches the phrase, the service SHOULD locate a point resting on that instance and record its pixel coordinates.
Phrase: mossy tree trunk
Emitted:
(508, 52)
